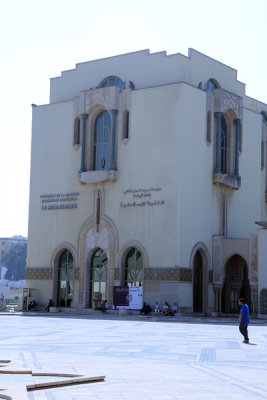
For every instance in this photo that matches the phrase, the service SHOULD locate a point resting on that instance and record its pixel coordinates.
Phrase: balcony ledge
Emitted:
(97, 176)
(231, 181)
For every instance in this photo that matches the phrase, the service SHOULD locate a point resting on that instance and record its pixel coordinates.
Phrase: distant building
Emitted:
(149, 170)
(6, 244)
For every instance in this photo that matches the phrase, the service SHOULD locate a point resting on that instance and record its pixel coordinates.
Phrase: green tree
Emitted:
(15, 261)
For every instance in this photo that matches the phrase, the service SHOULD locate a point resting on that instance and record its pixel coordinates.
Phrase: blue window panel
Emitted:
(113, 81)
(120, 84)
(107, 119)
(100, 121)
(106, 135)
(106, 155)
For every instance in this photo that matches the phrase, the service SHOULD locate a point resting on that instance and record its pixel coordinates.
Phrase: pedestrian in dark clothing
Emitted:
(50, 304)
(244, 320)
(146, 309)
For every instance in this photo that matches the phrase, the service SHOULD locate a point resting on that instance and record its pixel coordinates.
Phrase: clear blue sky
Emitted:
(39, 39)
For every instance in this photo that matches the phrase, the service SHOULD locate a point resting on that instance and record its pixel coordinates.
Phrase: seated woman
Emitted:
(165, 308)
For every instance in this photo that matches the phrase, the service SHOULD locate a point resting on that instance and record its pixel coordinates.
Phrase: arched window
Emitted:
(112, 81)
(211, 84)
(98, 278)
(65, 279)
(131, 85)
(134, 268)
(224, 146)
(76, 136)
(102, 141)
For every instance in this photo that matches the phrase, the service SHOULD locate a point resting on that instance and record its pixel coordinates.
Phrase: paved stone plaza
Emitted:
(141, 359)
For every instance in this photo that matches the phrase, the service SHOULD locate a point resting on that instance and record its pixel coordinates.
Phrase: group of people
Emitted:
(165, 310)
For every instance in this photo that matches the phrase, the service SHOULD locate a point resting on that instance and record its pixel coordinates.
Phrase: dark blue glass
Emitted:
(102, 141)
(113, 81)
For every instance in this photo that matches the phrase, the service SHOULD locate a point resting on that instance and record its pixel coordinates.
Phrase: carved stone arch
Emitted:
(236, 282)
(127, 246)
(200, 289)
(55, 259)
(89, 240)
(123, 254)
(234, 253)
(204, 250)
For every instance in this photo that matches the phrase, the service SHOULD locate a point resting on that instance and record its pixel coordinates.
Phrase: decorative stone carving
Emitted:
(39, 273)
(186, 275)
(108, 98)
(168, 274)
(225, 101)
(89, 240)
(117, 274)
(76, 274)
(254, 258)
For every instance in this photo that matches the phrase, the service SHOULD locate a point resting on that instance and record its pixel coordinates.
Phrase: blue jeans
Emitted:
(244, 330)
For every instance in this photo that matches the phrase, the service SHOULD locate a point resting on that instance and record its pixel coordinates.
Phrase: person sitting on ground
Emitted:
(32, 305)
(173, 311)
(165, 308)
(146, 309)
(104, 306)
(50, 304)
(157, 309)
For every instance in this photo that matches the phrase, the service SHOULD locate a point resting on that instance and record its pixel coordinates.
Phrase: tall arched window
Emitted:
(112, 81)
(102, 141)
(98, 278)
(134, 274)
(224, 146)
(65, 279)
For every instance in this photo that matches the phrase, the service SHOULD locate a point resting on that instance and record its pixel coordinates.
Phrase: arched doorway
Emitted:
(236, 284)
(65, 279)
(133, 271)
(98, 278)
(198, 282)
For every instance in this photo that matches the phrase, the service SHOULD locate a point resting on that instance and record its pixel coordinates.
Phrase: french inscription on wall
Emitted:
(142, 197)
(59, 201)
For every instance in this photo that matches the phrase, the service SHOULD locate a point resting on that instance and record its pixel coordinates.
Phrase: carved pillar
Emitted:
(237, 134)
(83, 118)
(218, 167)
(218, 298)
(112, 166)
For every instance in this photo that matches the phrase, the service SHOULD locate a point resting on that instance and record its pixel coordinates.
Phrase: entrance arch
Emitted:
(98, 278)
(199, 261)
(198, 282)
(236, 284)
(65, 279)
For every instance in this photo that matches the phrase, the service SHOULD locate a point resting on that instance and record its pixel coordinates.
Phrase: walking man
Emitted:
(244, 320)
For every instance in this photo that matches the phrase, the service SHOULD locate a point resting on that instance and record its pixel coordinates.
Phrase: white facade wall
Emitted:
(167, 149)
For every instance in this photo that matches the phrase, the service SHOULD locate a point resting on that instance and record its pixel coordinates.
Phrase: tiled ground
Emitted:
(141, 360)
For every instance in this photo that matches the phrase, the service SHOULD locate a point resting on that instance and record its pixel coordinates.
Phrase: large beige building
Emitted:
(150, 170)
